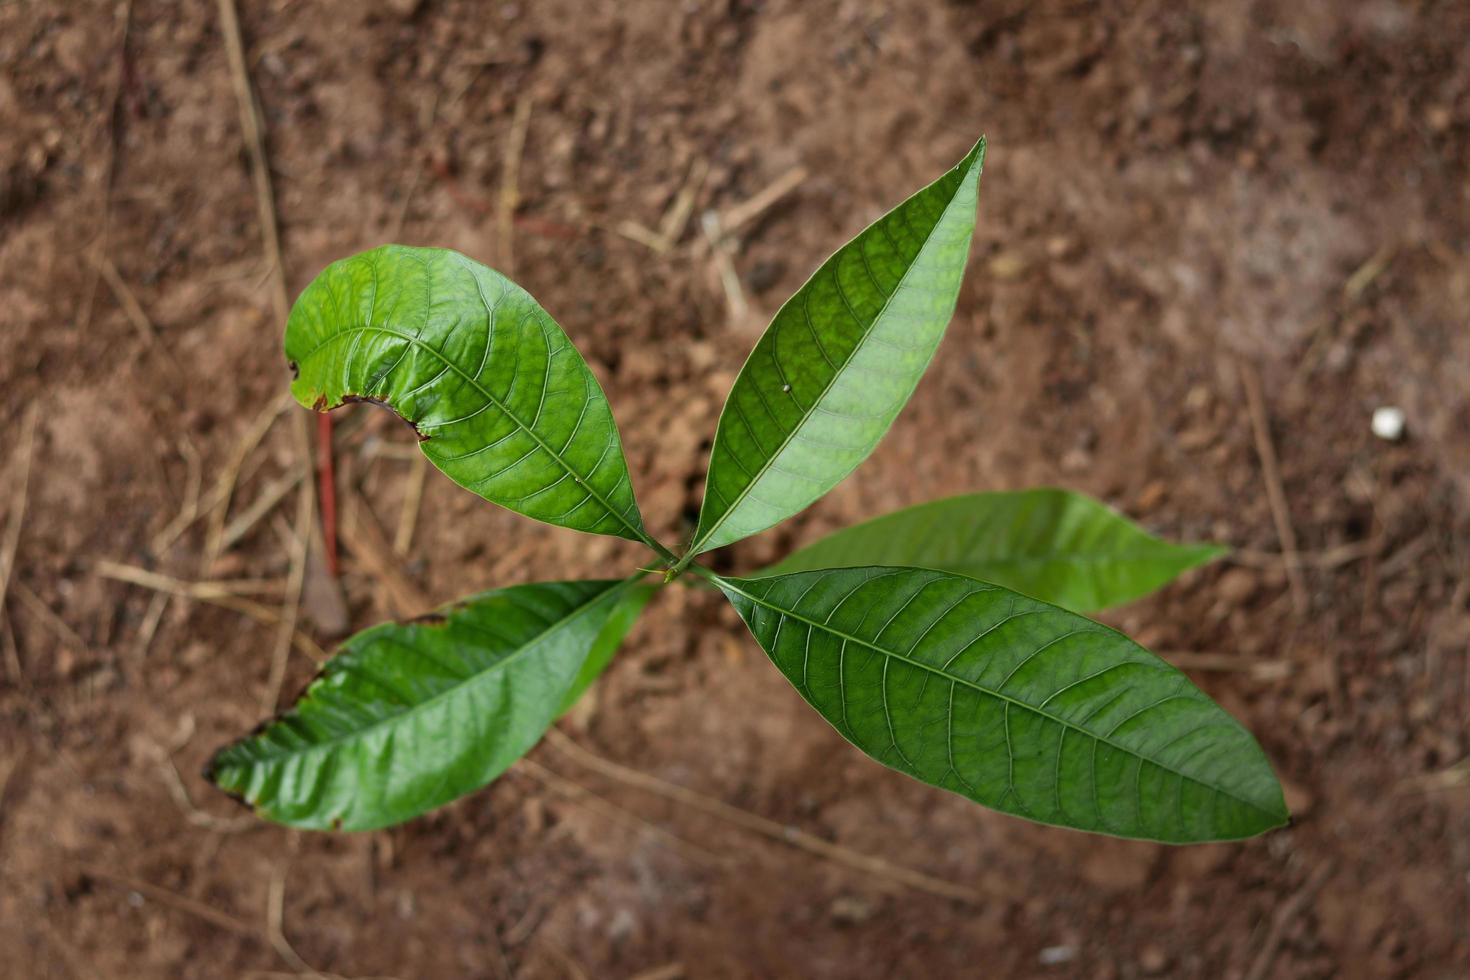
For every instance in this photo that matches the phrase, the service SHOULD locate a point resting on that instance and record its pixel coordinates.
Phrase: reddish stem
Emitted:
(327, 488)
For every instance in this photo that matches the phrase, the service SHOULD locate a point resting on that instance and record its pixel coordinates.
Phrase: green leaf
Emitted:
(1061, 547)
(408, 716)
(839, 361)
(501, 400)
(608, 641)
(1013, 703)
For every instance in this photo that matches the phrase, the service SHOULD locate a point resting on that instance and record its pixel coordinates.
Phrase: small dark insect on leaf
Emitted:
(945, 640)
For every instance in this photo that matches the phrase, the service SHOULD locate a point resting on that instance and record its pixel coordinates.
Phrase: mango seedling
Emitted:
(946, 641)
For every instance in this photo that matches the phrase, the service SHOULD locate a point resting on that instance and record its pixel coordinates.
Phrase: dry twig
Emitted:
(1454, 777)
(578, 793)
(271, 241)
(189, 510)
(218, 505)
(183, 903)
(720, 248)
(408, 514)
(295, 582)
(13, 665)
(1364, 275)
(16, 511)
(567, 961)
(109, 167)
(134, 311)
(676, 218)
(793, 836)
(206, 591)
(1275, 494)
(742, 214)
(192, 814)
(7, 769)
(255, 144)
(53, 623)
(669, 971)
(275, 916)
(510, 182)
(272, 494)
(1285, 912)
(365, 539)
(1328, 559)
(228, 594)
(1261, 670)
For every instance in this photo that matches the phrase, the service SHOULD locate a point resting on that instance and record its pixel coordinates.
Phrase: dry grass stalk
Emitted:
(1275, 493)
(742, 214)
(408, 514)
(510, 182)
(365, 539)
(792, 836)
(580, 794)
(16, 510)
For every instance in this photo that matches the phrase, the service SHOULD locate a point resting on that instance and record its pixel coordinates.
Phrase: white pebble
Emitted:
(1052, 955)
(1388, 423)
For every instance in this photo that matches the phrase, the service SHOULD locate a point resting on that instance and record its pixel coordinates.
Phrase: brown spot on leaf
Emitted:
(381, 403)
(428, 619)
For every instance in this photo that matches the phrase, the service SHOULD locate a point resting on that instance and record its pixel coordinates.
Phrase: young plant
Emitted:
(943, 640)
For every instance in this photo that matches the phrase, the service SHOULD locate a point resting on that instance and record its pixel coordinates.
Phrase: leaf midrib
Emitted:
(273, 758)
(725, 583)
(1090, 558)
(585, 483)
(695, 548)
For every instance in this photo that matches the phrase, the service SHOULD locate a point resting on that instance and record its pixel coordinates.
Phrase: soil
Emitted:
(1175, 194)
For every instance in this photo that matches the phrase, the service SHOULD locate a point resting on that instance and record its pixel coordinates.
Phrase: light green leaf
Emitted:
(608, 641)
(1061, 547)
(501, 400)
(1011, 702)
(408, 716)
(839, 361)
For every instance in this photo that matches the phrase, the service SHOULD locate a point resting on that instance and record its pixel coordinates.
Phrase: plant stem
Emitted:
(662, 552)
(702, 572)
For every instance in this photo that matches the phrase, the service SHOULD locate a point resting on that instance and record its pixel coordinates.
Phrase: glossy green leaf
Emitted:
(1061, 547)
(607, 642)
(1011, 702)
(408, 716)
(501, 400)
(839, 361)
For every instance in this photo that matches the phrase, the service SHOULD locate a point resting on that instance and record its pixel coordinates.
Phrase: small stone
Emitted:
(1153, 960)
(1299, 799)
(1388, 423)
(1007, 265)
(1237, 585)
(1060, 246)
(1151, 496)
(1056, 955)
(852, 909)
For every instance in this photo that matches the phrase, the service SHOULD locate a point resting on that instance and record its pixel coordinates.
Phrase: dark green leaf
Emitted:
(1012, 703)
(1054, 545)
(503, 402)
(839, 361)
(410, 716)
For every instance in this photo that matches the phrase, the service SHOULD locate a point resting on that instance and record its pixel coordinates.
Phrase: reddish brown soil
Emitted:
(1171, 193)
